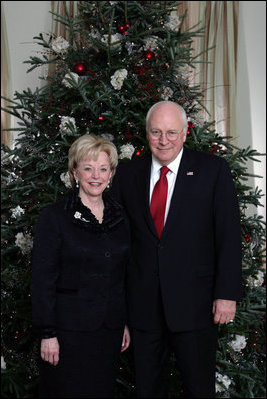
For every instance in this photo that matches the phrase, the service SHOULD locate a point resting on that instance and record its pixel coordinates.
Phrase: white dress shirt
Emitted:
(171, 177)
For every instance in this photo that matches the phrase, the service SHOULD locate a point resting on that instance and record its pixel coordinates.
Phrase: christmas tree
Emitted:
(120, 57)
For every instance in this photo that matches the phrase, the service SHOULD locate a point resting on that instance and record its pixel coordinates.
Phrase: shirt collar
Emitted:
(173, 166)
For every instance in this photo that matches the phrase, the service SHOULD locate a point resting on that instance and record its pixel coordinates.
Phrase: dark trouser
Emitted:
(195, 353)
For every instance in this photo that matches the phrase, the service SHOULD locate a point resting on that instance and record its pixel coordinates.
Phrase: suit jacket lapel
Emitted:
(143, 183)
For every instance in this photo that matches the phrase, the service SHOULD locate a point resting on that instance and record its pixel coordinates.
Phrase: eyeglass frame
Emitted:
(175, 134)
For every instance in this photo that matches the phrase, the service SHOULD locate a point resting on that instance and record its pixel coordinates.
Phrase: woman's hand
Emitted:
(126, 339)
(50, 350)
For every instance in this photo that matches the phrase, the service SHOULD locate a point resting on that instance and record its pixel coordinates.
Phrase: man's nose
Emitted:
(163, 138)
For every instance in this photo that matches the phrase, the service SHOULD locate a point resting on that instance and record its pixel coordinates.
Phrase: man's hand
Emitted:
(50, 350)
(223, 311)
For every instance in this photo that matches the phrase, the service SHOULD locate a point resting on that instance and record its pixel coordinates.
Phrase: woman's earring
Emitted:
(77, 183)
(108, 186)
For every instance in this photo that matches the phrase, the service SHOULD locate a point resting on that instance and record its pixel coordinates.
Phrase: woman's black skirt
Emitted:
(87, 365)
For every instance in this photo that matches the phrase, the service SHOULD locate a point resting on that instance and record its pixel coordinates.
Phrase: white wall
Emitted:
(251, 88)
(26, 19)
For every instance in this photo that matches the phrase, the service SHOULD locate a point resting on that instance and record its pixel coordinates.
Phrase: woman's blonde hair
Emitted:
(89, 146)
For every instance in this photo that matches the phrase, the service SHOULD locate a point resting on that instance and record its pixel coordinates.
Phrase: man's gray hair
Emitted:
(179, 109)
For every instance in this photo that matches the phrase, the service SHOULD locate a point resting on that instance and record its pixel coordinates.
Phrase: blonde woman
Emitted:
(81, 249)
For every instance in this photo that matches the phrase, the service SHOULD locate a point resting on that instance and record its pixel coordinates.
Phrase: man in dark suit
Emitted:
(185, 274)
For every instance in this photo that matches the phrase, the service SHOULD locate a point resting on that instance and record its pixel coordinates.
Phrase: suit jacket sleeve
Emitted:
(45, 271)
(115, 189)
(228, 284)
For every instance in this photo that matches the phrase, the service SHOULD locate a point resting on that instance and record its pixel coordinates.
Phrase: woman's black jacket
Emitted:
(78, 267)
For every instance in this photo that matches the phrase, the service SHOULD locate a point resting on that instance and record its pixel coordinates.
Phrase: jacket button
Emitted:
(107, 254)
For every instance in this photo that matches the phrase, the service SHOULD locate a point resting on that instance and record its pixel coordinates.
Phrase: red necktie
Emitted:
(158, 200)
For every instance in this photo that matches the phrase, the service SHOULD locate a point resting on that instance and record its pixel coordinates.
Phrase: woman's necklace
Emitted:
(97, 210)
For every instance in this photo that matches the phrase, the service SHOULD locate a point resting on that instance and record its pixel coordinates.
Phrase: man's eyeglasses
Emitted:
(171, 135)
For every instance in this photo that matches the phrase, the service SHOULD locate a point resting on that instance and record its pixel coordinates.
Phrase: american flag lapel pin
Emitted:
(190, 173)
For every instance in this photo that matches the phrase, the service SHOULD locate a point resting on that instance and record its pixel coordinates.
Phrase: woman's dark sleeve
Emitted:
(45, 272)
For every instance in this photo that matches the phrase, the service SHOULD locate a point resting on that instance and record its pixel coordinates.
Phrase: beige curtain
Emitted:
(58, 29)
(60, 7)
(6, 137)
(218, 77)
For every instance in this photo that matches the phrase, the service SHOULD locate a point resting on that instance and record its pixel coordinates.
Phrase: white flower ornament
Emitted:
(60, 45)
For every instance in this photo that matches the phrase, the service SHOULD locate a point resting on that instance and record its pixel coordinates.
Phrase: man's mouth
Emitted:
(163, 149)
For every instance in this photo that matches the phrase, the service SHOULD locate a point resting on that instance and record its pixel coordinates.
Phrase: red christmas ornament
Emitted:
(101, 118)
(215, 148)
(149, 54)
(123, 29)
(80, 69)
(247, 237)
(190, 125)
(138, 153)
